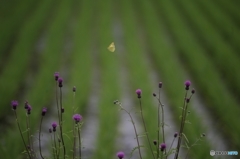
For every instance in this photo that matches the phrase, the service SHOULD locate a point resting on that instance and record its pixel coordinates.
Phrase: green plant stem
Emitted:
(191, 146)
(28, 134)
(74, 135)
(74, 142)
(145, 128)
(158, 131)
(182, 125)
(39, 138)
(22, 135)
(52, 147)
(55, 145)
(171, 145)
(79, 140)
(135, 130)
(61, 125)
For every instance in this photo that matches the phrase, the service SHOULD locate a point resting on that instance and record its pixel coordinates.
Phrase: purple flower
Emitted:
(175, 134)
(160, 84)
(139, 93)
(187, 84)
(44, 110)
(60, 81)
(77, 118)
(54, 126)
(56, 75)
(120, 154)
(163, 146)
(26, 105)
(14, 104)
(29, 109)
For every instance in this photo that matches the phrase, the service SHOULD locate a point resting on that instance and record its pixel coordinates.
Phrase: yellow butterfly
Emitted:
(111, 47)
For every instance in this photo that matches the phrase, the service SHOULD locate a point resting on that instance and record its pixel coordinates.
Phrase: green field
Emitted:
(176, 40)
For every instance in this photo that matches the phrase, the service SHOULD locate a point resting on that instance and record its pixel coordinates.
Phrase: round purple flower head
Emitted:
(139, 93)
(187, 84)
(120, 154)
(56, 75)
(14, 104)
(163, 146)
(54, 126)
(77, 118)
(60, 81)
(44, 110)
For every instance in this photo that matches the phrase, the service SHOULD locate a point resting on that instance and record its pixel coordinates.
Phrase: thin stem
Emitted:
(74, 135)
(191, 146)
(158, 131)
(57, 102)
(54, 156)
(22, 135)
(135, 130)
(145, 128)
(30, 142)
(74, 142)
(171, 146)
(55, 145)
(182, 125)
(79, 140)
(40, 128)
(61, 125)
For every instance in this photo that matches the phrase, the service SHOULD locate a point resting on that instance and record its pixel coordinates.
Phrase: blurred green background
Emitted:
(177, 40)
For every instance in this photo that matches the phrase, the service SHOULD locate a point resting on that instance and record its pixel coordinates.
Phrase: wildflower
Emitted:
(54, 126)
(62, 110)
(139, 93)
(26, 105)
(56, 75)
(29, 109)
(187, 84)
(120, 154)
(77, 118)
(160, 85)
(187, 100)
(50, 130)
(175, 134)
(14, 104)
(154, 94)
(60, 81)
(74, 89)
(163, 146)
(44, 110)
